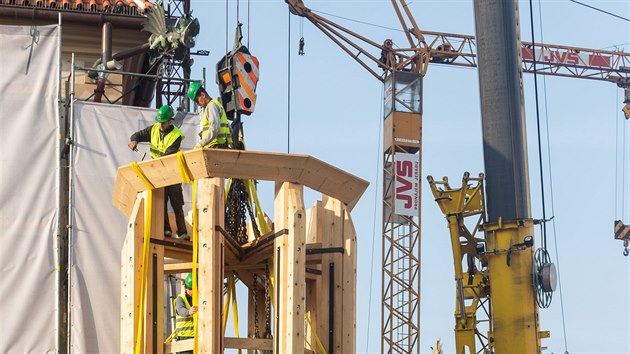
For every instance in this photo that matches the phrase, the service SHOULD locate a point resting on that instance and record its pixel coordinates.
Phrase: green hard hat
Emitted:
(164, 114)
(193, 89)
(188, 281)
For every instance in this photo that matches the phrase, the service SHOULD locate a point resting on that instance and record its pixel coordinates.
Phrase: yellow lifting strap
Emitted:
(148, 204)
(136, 168)
(195, 255)
(253, 195)
(231, 294)
(183, 168)
(319, 343)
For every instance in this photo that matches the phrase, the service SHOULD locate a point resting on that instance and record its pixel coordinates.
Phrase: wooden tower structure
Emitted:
(311, 252)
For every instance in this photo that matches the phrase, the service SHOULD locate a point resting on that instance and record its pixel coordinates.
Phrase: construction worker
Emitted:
(182, 304)
(165, 139)
(215, 128)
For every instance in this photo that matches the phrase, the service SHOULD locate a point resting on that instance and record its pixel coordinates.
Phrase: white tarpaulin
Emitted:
(101, 136)
(28, 188)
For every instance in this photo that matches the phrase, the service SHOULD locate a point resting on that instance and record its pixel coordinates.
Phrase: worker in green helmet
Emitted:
(182, 304)
(215, 128)
(165, 139)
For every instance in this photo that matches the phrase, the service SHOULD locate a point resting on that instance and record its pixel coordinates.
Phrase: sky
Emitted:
(326, 105)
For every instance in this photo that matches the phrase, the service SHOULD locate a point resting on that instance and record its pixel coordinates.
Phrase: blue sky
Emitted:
(335, 115)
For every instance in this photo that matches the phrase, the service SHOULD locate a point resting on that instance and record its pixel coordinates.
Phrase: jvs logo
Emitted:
(567, 57)
(407, 184)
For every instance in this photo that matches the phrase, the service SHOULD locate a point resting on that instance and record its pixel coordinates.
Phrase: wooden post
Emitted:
(290, 257)
(131, 256)
(317, 304)
(210, 205)
(349, 287)
(154, 307)
(334, 228)
(131, 279)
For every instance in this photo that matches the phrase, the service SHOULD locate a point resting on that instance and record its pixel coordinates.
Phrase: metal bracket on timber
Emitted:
(310, 253)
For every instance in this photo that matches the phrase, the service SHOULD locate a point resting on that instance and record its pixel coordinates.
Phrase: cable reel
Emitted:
(545, 278)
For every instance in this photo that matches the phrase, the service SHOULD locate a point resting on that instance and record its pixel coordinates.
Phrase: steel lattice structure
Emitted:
(171, 86)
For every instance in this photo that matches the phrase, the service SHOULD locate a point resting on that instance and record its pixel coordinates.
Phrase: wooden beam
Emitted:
(176, 268)
(179, 346)
(289, 263)
(210, 264)
(248, 343)
(205, 163)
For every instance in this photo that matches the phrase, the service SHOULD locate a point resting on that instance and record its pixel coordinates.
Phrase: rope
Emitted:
(148, 204)
(136, 168)
(540, 161)
(226, 25)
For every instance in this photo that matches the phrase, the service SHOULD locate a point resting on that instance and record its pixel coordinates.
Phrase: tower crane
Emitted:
(402, 71)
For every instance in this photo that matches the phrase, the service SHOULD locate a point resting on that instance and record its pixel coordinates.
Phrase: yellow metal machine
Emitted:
(498, 279)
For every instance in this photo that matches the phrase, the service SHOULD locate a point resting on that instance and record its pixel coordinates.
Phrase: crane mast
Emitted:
(402, 72)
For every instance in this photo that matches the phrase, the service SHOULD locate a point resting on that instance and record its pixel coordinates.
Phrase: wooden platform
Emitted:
(310, 253)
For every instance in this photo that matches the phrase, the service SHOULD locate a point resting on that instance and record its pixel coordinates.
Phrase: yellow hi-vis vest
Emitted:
(184, 325)
(159, 146)
(224, 131)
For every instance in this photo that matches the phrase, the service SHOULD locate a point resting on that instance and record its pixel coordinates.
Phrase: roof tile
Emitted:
(122, 7)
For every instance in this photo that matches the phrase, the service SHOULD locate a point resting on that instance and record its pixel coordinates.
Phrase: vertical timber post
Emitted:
(349, 284)
(317, 304)
(211, 210)
(131, 254)
(131, 279)
(154, 307)
(289, 263)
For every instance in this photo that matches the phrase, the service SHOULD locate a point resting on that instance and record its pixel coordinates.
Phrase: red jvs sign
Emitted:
(407, 184)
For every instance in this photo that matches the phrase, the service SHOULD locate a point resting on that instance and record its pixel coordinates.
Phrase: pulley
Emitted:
(545, 278)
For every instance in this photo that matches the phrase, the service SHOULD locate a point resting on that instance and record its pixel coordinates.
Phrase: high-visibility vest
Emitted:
(224, 136)
(159, 145)
(184, 325)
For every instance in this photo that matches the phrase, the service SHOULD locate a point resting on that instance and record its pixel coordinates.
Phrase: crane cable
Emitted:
(289, 84)
(540, 160)
(553, 223)
(227, 12)
(376, 190)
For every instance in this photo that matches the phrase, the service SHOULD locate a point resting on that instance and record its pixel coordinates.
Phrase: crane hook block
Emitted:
(237, 78)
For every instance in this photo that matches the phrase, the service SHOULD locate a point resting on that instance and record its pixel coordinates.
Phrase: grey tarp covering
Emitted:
(28, 188)
(101, 136)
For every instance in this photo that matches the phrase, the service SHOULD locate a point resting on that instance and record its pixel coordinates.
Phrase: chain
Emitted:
(235, 217)
(237, 209)
(255, 298)
(267, 302)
